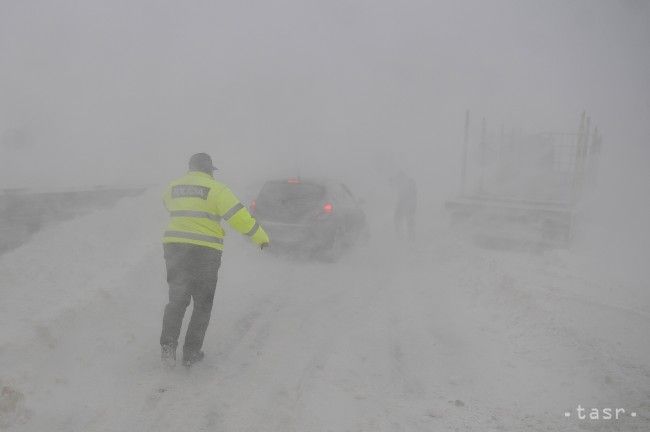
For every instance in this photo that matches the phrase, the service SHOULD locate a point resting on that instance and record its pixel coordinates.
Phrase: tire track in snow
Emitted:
(257, 387)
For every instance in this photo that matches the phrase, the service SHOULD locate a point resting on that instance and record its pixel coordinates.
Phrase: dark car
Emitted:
(316, 218)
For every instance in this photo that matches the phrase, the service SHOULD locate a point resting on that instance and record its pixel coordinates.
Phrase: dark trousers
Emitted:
(405, 215)
(191, 273)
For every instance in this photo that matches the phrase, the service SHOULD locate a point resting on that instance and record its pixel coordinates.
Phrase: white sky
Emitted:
(124, 91)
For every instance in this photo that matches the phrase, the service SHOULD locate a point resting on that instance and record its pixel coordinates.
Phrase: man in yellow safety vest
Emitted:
(193, 243)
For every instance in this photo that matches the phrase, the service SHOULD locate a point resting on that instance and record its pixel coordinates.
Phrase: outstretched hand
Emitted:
(264, 245)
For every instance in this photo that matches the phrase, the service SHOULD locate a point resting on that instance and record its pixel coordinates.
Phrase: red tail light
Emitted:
(253, 205)
(327, 208)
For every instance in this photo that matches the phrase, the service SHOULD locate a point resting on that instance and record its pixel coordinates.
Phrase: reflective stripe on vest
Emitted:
(234, 209)
(193, 213)
(253, 230)
(194, 236)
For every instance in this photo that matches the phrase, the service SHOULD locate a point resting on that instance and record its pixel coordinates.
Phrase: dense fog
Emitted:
(119, 94)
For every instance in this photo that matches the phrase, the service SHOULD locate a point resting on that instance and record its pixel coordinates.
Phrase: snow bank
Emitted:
(53, 288)
(67, 265)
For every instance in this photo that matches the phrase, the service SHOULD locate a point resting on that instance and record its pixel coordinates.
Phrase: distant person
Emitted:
(193, 243)
(406, 207)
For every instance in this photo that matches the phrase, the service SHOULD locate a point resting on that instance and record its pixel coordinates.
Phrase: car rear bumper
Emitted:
(296, 235)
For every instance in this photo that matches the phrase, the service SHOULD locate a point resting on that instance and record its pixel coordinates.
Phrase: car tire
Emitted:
(332, 249)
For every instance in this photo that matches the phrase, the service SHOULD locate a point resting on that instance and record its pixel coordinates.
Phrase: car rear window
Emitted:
(289, 200)
(291, 192)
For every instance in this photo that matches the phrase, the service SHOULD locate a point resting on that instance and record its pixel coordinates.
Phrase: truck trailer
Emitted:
(520, 189)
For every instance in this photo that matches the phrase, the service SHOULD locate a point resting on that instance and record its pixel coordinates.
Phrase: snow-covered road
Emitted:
(396, 337)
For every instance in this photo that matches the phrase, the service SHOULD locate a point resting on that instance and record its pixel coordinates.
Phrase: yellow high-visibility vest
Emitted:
(197, 203)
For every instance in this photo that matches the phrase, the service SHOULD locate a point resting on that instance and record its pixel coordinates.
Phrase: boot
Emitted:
(192, 357)
(168, 355)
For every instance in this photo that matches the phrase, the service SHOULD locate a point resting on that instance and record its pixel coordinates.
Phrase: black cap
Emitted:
(201, 162)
